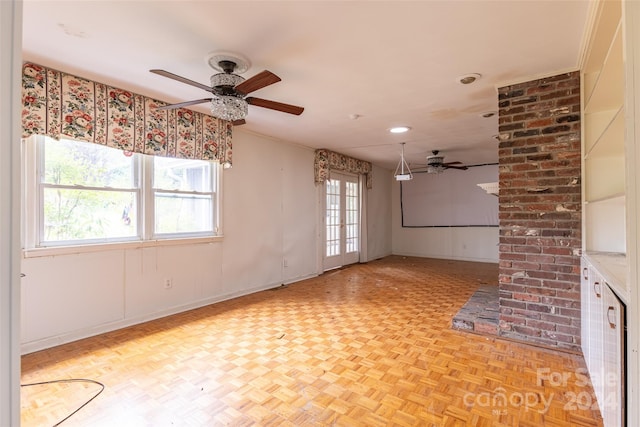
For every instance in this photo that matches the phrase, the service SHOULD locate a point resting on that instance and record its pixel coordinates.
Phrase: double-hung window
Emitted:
(79, 193)
(183, 197)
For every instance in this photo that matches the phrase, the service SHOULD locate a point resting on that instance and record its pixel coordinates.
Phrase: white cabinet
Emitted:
(603, 335)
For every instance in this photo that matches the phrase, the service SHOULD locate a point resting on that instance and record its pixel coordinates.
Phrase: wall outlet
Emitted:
(285, 263)
(168, 283)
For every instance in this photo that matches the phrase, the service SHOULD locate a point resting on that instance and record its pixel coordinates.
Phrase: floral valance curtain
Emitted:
(327, 160)
(61, 105)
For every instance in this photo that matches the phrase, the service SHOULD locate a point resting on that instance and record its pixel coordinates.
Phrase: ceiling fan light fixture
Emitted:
(435, 160)
(229, 108)
(434, 163)
(435, 169)
(226, 79)
(229, 90)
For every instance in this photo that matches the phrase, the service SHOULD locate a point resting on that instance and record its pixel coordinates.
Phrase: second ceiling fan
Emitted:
(436, 163)
(230, 101)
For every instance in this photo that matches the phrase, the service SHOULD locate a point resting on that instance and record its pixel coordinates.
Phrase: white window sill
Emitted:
(102, 247)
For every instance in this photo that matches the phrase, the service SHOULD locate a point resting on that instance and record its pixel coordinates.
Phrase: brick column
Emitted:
(540, 211)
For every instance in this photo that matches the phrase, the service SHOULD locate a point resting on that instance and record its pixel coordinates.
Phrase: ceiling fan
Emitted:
(230, 101)
(436, 164)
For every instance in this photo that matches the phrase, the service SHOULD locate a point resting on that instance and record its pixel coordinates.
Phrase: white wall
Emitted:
(379, 215)
(270, 216)
(459, 243)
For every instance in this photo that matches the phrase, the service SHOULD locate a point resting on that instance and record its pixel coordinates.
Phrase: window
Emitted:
(183, 196)
(87, 193)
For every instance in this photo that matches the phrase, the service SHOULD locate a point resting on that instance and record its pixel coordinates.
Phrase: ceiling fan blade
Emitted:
(256, 82)
(462, 168)
(273, 105)
(183, 104)
(452, 163)
(181, 79)
(239, 122)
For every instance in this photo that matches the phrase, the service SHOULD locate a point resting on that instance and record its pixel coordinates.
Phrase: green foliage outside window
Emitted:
(89, 192)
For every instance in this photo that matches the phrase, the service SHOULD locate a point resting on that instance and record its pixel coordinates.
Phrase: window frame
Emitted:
(149, 165)
(33, 201)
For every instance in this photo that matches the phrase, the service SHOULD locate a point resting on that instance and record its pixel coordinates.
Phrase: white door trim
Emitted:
(10, 170)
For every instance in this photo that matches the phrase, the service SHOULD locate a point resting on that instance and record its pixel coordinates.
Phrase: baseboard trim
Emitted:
(66, 338)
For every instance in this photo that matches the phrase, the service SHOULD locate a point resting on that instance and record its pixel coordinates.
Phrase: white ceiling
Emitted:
(388, 62)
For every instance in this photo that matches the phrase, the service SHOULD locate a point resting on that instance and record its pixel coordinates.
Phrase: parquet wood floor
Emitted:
(367, 345)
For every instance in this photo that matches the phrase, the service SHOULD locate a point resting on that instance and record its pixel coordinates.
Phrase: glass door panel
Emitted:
(342, 221)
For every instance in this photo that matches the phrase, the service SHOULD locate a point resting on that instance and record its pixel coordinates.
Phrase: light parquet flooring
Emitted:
(367, 345)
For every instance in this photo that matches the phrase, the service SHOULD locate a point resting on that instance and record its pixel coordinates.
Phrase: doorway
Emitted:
(342, 221)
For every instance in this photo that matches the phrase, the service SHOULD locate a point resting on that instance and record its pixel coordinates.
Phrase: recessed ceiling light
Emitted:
(399, 129)
(467, 79)
(488, 114)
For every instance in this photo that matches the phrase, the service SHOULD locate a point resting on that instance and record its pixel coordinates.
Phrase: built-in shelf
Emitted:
(617, 198)
(608, 88)
(604, 163)
(604, 133)
(604, 221)
(606, 177)
(607, 23)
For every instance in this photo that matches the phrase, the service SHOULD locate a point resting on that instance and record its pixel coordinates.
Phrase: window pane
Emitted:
(333, 218)
(88, 214)
(183, 213)
(181, 174)
(90, 165)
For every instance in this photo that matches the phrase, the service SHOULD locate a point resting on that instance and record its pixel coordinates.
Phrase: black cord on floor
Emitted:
(72, 380)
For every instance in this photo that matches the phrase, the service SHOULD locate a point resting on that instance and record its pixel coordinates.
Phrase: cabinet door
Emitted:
(584, 307)
(612, 405)
(596, 329)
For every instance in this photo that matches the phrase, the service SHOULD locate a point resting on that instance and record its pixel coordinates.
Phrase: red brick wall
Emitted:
(540, 211)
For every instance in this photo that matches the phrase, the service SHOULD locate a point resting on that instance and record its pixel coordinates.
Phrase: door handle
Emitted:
(610, 310)
(597, 290)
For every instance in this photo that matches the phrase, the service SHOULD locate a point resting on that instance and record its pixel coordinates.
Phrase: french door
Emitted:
(342, 221)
